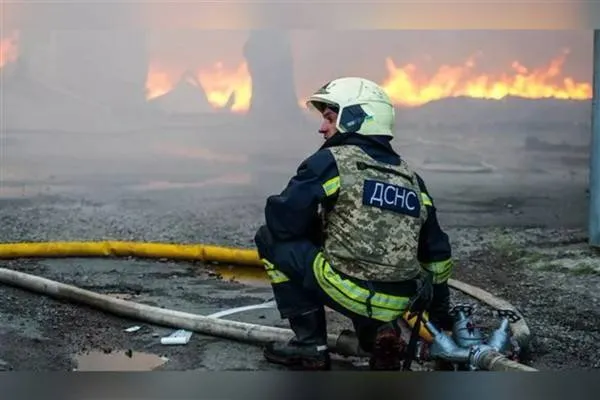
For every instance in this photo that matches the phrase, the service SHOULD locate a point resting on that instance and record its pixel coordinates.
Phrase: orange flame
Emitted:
(406, 86)
(218, 82)
(158, 82)
(9, 49)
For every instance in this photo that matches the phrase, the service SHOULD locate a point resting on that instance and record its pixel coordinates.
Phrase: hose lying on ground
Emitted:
(181, 320)
(344, 344)
(217, 254)
(191, 252)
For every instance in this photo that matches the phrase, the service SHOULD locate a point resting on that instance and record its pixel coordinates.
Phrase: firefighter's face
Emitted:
(328, 128)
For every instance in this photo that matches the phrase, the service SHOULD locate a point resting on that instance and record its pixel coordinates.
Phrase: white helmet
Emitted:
(363, 106)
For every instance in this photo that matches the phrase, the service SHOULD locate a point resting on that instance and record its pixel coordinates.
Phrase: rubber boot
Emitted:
(308, 349)
(388, 349)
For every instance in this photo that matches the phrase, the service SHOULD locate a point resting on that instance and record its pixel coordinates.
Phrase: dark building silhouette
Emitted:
(270, 63)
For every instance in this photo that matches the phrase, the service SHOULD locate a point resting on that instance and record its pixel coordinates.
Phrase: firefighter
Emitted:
(355, 230)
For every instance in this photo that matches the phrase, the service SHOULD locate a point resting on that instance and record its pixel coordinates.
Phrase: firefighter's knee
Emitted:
(293, 301)
(275, 275)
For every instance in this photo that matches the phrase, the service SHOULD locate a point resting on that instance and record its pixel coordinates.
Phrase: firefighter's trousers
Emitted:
(304, 282)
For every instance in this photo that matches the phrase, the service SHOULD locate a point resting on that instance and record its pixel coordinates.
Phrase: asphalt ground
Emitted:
(521, 236)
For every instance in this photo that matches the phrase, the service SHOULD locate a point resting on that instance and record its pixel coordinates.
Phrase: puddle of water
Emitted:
(118, 361)
(246, 275)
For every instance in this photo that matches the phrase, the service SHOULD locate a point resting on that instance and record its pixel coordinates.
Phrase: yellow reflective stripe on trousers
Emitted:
(353, 297)
(331, 186)
(441, 270)
(274, 275)
(426, 199)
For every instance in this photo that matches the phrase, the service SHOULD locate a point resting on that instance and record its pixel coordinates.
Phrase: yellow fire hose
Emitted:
(188, 252)
(346, 345)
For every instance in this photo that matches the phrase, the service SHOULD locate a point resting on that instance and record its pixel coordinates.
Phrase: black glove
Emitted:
(439, 310)
(424, 296)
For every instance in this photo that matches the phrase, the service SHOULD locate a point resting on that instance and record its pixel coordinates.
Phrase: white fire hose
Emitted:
(345, 344)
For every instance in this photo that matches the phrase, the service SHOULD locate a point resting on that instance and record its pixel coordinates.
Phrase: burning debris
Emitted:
(219, 84)
(187, 97)
(141, 85)
(409, 87)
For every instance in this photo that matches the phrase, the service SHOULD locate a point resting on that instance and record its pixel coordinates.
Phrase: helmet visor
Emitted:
(320, 105)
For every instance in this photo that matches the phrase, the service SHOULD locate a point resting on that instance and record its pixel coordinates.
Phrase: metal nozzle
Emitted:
(500, 338)
(444, 348)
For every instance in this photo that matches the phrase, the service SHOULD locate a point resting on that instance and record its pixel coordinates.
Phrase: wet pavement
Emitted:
(225, 208)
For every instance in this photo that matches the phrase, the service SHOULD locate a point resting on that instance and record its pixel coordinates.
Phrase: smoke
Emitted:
(77, 15)
(75, 102)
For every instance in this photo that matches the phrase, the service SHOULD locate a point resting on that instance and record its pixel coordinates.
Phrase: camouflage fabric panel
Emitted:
(373, 231)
